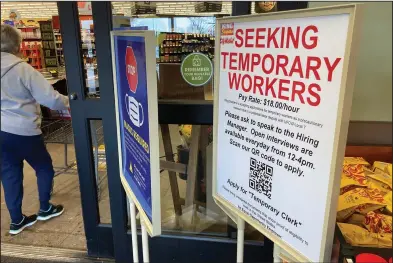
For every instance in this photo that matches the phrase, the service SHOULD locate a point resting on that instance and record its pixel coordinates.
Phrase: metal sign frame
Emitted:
(154, 225)
(342, 122)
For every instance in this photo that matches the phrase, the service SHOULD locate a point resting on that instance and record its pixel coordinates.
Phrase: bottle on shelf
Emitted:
(175, 46)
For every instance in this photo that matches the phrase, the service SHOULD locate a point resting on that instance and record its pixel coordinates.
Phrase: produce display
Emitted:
(364, 213)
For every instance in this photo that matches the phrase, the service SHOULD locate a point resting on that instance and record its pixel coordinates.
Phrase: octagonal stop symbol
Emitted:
(131, 69)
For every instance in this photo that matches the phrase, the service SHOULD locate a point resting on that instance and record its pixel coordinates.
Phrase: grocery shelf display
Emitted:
(174, 47)
(59, 46)
(48, 44)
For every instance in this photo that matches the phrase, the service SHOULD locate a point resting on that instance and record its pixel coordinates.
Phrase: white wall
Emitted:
(372, 99)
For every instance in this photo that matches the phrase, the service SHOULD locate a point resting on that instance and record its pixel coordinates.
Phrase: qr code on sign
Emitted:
(261, 176)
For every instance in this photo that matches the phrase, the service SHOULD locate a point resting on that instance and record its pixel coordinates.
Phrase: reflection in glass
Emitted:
(191, 191)
(156, 24)
(100, 170)
(199, 25)
(192, 146)
(88, 50)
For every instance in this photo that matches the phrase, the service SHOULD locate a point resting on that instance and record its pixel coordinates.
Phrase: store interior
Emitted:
(181, 28)
(177, 35)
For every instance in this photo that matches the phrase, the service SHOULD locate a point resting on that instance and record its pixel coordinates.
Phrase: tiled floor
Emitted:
(66, 231)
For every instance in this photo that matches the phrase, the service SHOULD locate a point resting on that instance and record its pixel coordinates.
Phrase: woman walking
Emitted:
(23, 89)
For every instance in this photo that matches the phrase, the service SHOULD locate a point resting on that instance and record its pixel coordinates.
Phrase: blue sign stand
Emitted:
(137, 122)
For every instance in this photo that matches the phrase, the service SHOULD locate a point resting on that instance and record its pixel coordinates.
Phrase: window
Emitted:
(156, 24)
(199, 25)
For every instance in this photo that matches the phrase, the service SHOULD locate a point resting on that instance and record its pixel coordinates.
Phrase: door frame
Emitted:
(114, 240)
(101, 238)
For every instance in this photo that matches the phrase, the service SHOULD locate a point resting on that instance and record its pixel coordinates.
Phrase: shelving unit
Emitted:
(31, 46)
(90, 60)
(174, 47)
(59, 46)
(30, 33)
(31, 51)
(48, 44)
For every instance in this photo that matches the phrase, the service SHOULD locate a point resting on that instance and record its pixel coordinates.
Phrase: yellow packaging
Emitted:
(356, 219)
(355, 160)
(348, 184)
(388, 200)
(378, 201)
(358, 236)
(364, 209)
(378, 223)
(352, 176)
(356, 172)
(382, 177)
(384, 167)
(362, 199)
(345, 214)
(374, 184)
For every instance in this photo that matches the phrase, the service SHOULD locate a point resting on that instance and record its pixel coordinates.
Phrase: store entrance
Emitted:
(71, 48)
(211, 237)
(43, 48)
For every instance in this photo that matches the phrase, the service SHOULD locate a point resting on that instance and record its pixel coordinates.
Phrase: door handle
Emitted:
(73, 96)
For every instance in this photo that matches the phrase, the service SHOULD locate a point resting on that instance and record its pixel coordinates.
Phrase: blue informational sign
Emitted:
(132, 96)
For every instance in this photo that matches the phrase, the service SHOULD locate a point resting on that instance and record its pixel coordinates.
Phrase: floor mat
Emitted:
(5, 259)
(23, 253)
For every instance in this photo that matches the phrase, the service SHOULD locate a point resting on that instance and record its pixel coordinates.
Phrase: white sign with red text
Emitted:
(283, 94)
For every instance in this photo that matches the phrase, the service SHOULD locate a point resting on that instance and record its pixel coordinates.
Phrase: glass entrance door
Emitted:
(91, 95)
(194, 229)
